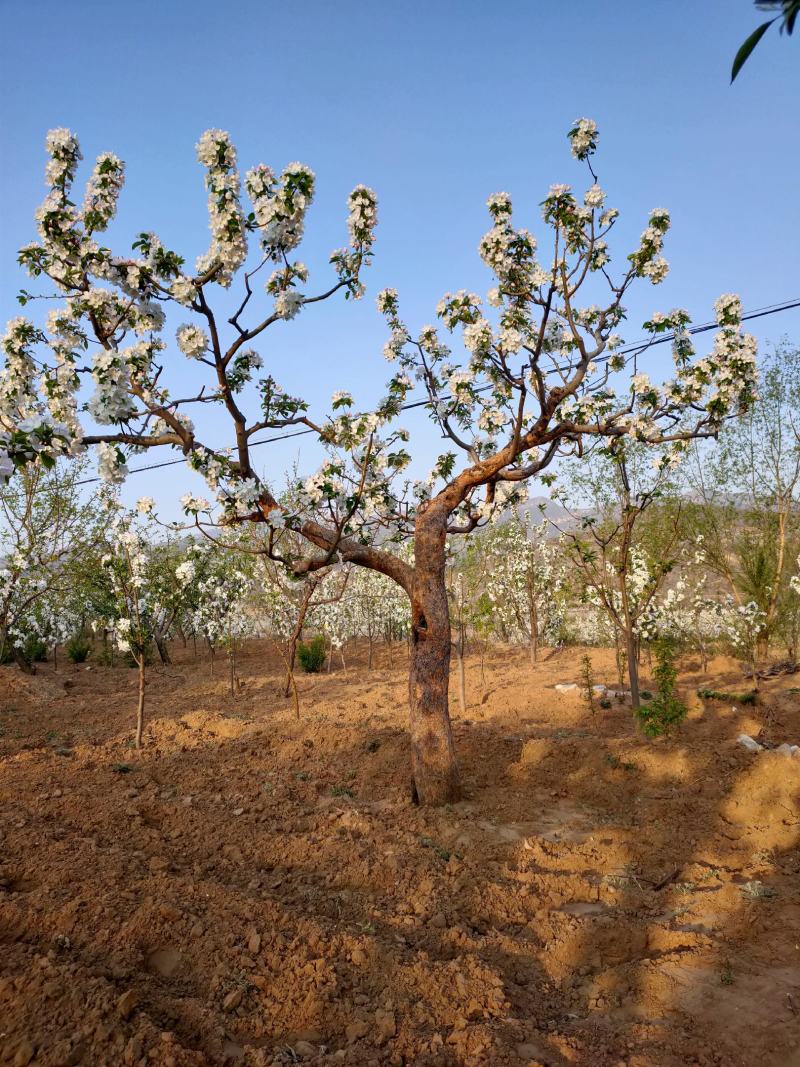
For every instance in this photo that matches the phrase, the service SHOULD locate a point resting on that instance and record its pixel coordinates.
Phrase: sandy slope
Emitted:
(259, 890)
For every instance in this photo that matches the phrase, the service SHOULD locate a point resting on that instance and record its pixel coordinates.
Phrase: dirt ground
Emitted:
(256, 890)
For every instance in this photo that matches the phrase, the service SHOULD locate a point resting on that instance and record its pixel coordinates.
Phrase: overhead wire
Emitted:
(630, 349)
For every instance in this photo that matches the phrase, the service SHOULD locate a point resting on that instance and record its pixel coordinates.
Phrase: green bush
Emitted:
(312, 654)
(35, 650)
(664, 710)
(78, 649)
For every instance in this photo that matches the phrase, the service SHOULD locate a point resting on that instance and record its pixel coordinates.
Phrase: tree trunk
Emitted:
(533, 622)
(462, 676)
(163, 651)
(633, 669)
(140, 705)
(433, 757)
(21, 660)
(291, 645)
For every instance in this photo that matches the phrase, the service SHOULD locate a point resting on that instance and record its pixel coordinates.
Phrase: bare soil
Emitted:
(255, 889)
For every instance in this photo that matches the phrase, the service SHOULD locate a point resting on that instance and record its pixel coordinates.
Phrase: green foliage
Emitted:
(78, 649)
(788, 10)
(750, 697)
(35, 650)
(665, 710)
(312, 654)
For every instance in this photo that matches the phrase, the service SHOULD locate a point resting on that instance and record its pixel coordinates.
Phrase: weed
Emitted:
(121, 768)
(749, 697)
(756, 890)
(342, 791)
(726, 975)
(442, 852)
(617, 764)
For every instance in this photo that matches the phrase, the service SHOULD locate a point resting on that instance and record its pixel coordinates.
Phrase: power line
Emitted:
(630, 349)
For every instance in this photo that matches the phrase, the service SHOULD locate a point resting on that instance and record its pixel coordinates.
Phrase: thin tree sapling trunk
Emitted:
(140, 660)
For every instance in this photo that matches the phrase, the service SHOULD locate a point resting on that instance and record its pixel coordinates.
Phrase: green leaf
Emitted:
(744, 52)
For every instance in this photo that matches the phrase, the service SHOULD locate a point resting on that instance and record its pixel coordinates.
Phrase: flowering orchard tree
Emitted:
(525, 579)
(359, 603)
(217, 587)
(46, 529)
(543, 372)
(134, 608)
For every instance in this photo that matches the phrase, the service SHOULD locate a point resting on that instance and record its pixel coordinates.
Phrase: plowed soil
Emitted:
(257, 889)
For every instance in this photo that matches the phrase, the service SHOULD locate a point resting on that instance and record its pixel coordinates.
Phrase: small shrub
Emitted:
(34, 650)
(78, 650)
(312, 654)
(663, 709)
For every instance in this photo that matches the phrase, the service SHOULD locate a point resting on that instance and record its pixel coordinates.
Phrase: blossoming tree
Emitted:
(46, 528)
(544, 371)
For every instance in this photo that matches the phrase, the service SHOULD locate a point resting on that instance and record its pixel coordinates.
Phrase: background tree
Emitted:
(745, 500)
(622, 557)
(47, 525)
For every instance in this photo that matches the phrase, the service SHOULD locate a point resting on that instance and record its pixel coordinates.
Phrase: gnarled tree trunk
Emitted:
(433, 757)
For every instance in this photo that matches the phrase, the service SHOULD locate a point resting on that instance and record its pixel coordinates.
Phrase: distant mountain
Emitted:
(542, 507)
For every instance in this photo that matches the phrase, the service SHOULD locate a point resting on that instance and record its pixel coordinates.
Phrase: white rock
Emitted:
(566, 687)
(749, 743)
(787, 750)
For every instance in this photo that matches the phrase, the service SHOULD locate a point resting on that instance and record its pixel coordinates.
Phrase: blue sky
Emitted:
(435, 106)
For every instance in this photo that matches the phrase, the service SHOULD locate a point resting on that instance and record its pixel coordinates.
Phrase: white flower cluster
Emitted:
(112, 401)
(794, 581)
(583, 138)
(192, 340)
(228, 249)
(102, 192)
(280, 206)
